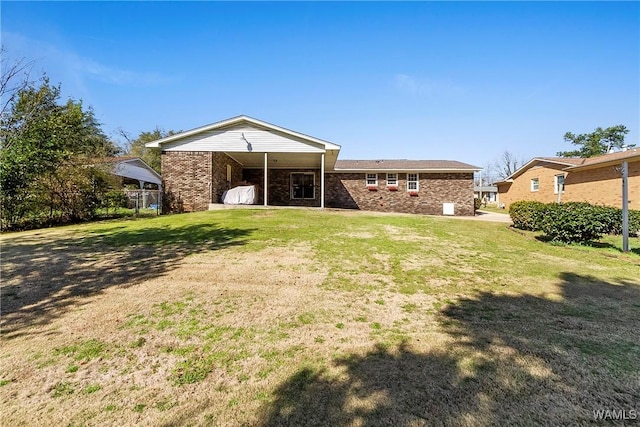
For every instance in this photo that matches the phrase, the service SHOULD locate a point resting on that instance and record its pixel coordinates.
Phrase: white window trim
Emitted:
(366, 180)
(537, 181)
(291, 192)
(396, 180)
(555, 183)
(417, 181)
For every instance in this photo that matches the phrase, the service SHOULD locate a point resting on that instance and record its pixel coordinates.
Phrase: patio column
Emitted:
(322, 181)
(266, 193)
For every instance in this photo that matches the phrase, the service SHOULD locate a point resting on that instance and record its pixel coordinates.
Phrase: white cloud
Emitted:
(75, 67)
(114, 75)
(426, 87)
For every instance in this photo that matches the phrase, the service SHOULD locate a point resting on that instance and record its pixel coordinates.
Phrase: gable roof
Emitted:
(609, 159)
(202, 131)
(403, 165)
(578, 163)
(562, 161)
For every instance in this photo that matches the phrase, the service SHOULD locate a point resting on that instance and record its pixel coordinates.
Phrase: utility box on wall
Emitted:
(448, 209)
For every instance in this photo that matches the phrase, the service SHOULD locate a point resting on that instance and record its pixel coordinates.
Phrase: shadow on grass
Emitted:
(42, 279)
(512, 360)
(617, 247)
(599, 245)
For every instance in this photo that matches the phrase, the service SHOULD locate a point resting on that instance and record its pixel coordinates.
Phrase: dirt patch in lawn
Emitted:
(218, 321)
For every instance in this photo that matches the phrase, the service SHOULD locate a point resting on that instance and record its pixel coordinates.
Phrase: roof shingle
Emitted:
(403, 165)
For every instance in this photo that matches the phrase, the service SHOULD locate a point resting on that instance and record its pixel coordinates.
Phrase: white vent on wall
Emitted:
(448, 209)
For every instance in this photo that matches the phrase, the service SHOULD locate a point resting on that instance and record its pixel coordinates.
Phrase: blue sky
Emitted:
(418, 80)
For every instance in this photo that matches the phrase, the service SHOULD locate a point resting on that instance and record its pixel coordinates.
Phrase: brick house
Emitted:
(596, 180)
(289, 168)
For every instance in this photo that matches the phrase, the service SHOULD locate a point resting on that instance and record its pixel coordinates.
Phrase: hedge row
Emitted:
(571, 222)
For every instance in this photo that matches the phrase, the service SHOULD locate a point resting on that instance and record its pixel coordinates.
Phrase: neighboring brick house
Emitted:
(300, 170)
(596, 180)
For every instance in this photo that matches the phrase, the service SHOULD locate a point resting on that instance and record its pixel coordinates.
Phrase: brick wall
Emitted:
(219, 184)
(520, 189)
(597, 186)
(192, 179)
(603, 186)
(349, 190)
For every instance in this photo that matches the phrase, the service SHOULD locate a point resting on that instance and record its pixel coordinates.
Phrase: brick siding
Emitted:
(603, 186)
(520, 189)
(193, 179)
(219, 182)
(349, 190)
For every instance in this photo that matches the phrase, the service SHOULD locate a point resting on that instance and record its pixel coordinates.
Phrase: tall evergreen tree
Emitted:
(595, 143)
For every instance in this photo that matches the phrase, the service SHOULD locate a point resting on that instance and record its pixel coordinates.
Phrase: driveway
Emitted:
(489, 216)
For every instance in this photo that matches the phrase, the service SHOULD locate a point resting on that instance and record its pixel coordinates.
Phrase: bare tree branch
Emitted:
(507, 164)
(14, 77)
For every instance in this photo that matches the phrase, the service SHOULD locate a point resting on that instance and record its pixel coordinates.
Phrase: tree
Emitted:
(137, 148)
(595, 143)
(10, 83)
(46, 152)
(507, 164)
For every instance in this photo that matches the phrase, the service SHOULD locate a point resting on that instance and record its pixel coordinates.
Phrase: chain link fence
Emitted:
(144, 199)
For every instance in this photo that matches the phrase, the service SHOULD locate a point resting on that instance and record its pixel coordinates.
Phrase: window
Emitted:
(372, 179)
(535, 184)
(412, 182)
(392, 180)
(303, 185)
(558, 184)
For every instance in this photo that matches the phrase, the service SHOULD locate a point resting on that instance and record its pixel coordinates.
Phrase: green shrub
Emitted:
(477, 203)
(114, 199)
(571, 222)
(574, 222)
(613, 220)
(526, 215)
(634, 222)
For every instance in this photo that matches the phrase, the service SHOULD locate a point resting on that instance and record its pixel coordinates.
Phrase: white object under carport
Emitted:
(242, 195)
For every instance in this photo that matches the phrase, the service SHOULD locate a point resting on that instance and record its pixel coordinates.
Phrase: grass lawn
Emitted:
(309, 317)
(493, 208)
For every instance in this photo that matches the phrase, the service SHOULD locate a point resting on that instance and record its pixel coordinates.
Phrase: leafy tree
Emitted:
(137, 148)
(46, 152)
(595, 143)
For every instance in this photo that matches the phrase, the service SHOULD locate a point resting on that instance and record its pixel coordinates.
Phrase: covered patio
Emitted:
(288, 168)
(284, 178)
